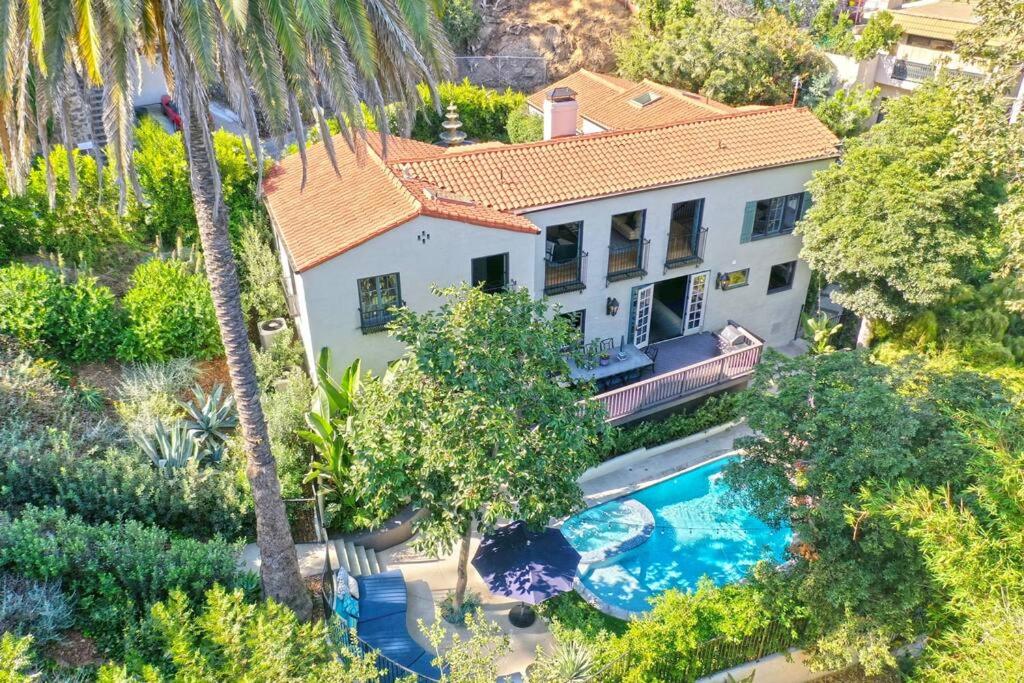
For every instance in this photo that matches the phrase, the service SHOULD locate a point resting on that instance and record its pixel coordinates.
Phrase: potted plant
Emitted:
(604, 358)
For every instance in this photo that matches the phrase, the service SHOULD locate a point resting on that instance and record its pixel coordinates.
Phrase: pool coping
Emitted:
(581, 589)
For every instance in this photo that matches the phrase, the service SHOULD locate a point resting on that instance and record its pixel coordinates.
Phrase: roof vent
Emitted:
(648, 97)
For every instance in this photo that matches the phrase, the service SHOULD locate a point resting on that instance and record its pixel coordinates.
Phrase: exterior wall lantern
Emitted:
(612, 306)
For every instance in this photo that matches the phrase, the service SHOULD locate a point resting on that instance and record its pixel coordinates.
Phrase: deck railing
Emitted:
(670, 386)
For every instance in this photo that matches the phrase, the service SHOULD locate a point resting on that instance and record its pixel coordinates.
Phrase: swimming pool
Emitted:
(694, 534)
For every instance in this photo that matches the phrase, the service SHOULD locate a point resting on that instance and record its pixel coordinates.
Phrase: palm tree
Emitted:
(297, 60)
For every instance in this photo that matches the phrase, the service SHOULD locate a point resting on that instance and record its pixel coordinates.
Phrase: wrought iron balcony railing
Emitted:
(565, 275)
(627, 260)
(685, 249)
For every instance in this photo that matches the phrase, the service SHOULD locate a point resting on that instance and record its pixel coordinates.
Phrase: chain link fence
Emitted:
(519, 72)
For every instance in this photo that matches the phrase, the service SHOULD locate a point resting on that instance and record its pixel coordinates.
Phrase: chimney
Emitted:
(560, 110)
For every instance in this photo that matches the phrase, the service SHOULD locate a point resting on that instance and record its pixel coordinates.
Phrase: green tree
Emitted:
(898, 224)
(294, 62)
(847, 112)
(462, 22)
(234, 640)
(973, 546)
(880, 33)
(477, 422)
(735, 59)
(833, 430)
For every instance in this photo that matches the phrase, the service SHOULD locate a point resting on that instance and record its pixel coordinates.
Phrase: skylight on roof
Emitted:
(645, 99)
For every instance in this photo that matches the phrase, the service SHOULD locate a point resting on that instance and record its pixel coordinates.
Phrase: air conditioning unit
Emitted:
(733, 338)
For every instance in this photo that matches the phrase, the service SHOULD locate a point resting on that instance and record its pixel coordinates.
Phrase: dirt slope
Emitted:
(570, 34)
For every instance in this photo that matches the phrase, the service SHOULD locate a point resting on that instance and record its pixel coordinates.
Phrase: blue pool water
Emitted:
(695, 534)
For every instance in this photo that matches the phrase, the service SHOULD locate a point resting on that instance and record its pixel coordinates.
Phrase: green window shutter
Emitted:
(804, 205)
(748, 222)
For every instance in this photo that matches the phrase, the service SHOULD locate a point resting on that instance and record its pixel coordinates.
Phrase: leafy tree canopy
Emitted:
(972, 544)
(735, 59)
(478, 421)
(846, 112)
(832, 430)
(898, 223)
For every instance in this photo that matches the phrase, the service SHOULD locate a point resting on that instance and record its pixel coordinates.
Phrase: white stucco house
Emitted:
(652, 238)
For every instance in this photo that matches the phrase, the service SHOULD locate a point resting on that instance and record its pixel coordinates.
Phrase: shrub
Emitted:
(15, 659)
(163, 173)
(285, 411)
(522, 126)
(121, 484)
(76, 322)
(284, 353)
(170, 314)
(462, 22)
(35, 608)
(483, 112)
(116, 571)
(149, 392)
(234, 639)
(262, 295)
(846, 112)
(647, 434)
(82, 228)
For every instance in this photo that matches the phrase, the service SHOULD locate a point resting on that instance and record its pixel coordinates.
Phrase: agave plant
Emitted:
(572, 661)
(210, 420)
(169, 449)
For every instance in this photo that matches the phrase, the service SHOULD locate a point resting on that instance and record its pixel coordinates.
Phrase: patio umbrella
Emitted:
(528, 566)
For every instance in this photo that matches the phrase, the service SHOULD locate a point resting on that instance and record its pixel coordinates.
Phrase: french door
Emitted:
(696, 298)
(642, 316)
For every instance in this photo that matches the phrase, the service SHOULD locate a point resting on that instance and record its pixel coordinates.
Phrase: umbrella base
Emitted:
(522, 616)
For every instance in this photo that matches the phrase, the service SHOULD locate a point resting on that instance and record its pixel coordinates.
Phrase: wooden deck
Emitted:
(685, 366)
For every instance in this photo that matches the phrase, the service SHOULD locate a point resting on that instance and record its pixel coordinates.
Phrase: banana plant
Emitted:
(819, 331)
(169, 449)
(210, 420)
(330, 421)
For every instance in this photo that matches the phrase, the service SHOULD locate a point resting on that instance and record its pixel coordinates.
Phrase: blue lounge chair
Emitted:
(383, 602)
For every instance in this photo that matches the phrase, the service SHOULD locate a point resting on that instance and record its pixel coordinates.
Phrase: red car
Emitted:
(171, 111)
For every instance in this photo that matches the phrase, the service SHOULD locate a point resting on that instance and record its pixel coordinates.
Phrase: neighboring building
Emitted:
(927, 46)
(606, 103)
(657, 234)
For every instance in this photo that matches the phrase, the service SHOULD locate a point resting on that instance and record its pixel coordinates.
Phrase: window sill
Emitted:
(782, 233)
(777, 290)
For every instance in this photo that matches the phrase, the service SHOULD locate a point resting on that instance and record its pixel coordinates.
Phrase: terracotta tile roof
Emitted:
(605, 100)
(491, 186)
(516, 178)
(336, 213)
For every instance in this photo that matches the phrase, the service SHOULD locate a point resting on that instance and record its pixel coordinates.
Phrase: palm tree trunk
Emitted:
(279, 566)
(463, 576)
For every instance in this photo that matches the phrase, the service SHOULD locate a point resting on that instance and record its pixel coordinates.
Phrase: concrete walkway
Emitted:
(429, 579)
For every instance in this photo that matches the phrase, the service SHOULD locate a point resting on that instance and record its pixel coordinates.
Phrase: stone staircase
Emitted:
(359, 561)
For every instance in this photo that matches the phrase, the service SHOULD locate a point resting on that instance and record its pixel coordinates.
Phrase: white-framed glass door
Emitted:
(642, 316)
(696, 300)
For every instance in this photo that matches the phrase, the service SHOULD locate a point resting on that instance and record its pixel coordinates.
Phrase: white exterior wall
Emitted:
(772, 317)
(152, 85)
(330, 300)
(328, 306)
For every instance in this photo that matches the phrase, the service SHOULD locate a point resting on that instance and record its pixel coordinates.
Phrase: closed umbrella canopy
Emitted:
(529, 566)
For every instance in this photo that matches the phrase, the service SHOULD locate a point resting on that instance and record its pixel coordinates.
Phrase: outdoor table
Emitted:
(635, 359)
